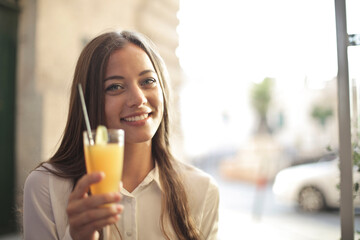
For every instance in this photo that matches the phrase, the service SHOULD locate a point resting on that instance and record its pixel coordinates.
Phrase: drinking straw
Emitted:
(86, 116)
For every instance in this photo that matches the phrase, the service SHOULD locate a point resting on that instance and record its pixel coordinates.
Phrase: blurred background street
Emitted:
(251, 212)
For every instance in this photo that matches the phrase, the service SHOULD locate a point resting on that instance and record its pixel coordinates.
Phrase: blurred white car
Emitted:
(314, 186)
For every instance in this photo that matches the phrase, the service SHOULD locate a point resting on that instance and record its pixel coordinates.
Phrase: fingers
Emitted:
(85, 224)
(88, 231)
(98, 217)
(87, 214)
(94, 201)
(79, 200)
(84, 183)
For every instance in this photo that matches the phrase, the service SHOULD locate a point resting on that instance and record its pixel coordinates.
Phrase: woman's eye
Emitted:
(149, 81)
(114, 87)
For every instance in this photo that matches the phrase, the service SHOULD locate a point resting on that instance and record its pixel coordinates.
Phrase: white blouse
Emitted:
(46, 197)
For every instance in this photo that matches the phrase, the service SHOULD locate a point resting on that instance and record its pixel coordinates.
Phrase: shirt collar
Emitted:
(157, 175)
(153, 175)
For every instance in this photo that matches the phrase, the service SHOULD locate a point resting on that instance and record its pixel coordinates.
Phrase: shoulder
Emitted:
(197, 181)
(37, 179)
(195, 175)
(41, 180)
(44, 203)
(202, 192)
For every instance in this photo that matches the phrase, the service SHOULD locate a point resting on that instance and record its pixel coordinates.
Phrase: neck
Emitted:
(138, 162)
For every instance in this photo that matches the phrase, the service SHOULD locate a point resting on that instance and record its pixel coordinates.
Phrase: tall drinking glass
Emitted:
(105, 157)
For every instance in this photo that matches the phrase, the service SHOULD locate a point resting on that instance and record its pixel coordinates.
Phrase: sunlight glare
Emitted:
(226, 46)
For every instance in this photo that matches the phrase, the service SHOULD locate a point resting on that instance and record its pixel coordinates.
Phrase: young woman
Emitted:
(124, 81)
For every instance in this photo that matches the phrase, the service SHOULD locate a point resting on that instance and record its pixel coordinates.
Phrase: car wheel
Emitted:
(311, 199)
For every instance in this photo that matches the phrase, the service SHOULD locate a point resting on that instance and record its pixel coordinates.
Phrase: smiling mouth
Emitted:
(136, 118)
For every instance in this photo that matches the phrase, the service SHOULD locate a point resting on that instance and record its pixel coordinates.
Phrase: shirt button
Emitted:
(129, 234)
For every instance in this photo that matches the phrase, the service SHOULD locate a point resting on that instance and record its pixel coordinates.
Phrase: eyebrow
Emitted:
(147, 71)
(113, 77)
(121, 77)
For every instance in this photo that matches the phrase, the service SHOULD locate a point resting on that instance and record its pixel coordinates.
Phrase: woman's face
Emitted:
(133, 96)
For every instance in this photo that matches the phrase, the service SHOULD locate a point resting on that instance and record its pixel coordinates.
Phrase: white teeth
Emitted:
(136, 118)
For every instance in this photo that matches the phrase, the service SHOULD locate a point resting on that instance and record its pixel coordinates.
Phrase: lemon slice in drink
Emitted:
(101, 135)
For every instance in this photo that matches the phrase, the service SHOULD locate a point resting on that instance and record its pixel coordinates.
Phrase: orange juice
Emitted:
(107, 158)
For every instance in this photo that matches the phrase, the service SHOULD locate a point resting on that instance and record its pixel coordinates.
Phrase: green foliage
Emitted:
(328, 148)
(356, 155)
(356, 162)
(356, 187)
(261, 96)
(321, 114)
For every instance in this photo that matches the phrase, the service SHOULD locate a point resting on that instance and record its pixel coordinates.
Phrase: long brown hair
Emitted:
(69, 158)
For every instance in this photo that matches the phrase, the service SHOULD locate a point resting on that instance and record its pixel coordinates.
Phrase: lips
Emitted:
(136, 118)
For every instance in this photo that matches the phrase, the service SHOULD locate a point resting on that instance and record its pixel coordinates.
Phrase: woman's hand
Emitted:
(86, 214)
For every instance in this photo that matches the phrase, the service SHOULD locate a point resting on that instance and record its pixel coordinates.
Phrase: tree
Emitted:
(261, 94)
(321, 114)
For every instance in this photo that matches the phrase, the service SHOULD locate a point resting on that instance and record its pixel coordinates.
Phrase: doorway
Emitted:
(8, 43)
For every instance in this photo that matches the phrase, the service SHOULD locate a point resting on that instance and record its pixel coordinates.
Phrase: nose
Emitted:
(136, 97)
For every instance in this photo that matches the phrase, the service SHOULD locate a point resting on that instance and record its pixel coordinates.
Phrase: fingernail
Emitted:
(119, 207)
(117, 196)
(102, 174)
(99, 175)
(114, 208)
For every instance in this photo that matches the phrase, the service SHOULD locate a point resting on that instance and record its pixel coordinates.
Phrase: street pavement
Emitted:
(248, 212)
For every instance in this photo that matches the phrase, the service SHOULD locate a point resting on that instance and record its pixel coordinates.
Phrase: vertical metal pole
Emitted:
(345, 151)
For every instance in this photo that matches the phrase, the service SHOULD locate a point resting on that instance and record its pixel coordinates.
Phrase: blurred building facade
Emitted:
(50, 37)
